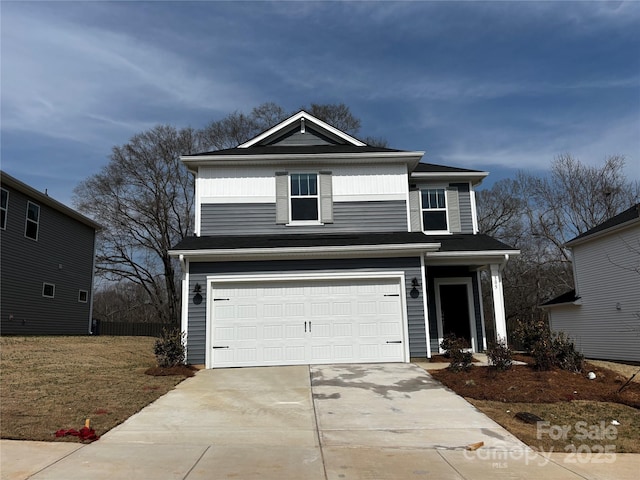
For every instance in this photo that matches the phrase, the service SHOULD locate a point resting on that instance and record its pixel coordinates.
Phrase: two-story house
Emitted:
(602, 314)
(47, 253)
(312, 247)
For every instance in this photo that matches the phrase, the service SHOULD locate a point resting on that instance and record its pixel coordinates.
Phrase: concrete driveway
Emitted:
(320, 422)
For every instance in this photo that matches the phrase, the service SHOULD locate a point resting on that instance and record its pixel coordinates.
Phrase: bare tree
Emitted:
(144, 199)
(538, 215)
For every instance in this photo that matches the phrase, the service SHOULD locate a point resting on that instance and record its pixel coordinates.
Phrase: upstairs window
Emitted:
(434, 210)
(304, 197)
(4, 205)
(33, 221)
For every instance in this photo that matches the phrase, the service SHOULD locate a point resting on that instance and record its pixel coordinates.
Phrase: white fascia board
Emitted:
(410, 158)
(308, 117)
(576, 303)
(315, 252)
(474, 177)
(470, 258)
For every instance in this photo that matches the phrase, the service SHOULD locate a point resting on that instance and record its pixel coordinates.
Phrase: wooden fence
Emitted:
(130, 329)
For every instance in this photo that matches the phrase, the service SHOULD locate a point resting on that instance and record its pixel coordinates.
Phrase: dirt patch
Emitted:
(184, 370)
(525, 384)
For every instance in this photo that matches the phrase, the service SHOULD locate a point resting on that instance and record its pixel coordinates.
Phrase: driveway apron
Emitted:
(374, 421)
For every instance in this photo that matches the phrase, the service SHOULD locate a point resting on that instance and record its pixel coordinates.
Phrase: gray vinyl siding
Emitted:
(62, 255)
(464, 204)
(451, 272)
(196, 334)
(310, 137)
(606, 324)
(260, 219)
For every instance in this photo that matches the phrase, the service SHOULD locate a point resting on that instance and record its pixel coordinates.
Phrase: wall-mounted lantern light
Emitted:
(415, 293)
(197, 298)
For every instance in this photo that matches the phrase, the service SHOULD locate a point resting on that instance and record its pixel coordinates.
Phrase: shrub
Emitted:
(556, 351)
(528, 334)
(449, 342)
(169, 348)
(500, 356)
(567, 358)
(455, 349)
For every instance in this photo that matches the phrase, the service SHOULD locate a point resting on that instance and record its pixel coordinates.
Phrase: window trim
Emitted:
(445, 209)
(86, 296)
(27, 220)
(52, 285)
(317, 196)
(5, 210)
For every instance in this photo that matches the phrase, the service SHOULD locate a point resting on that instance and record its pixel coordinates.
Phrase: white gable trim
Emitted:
(305, 117)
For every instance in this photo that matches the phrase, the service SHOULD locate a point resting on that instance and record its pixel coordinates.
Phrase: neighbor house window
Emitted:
(434, 210)
(304, 197)
(82, 296)
(4, 205)
(33, 220)
(48, 290)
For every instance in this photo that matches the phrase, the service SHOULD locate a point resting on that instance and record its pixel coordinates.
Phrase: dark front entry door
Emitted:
(454, 305)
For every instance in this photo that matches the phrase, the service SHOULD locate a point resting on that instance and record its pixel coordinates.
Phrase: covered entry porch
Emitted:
(454, 290)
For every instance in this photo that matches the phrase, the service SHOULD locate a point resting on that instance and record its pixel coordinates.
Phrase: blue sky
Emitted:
(497, 86)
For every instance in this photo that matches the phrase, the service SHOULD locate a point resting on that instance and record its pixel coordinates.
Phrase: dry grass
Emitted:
(49, 383)
(625, 438)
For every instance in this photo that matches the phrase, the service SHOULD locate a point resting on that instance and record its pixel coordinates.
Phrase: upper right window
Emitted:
(434, 210)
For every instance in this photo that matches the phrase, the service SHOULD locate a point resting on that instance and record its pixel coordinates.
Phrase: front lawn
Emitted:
(580, 415)
(52, 383)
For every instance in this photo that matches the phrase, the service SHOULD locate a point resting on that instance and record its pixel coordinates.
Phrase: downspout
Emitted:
(184, 307)
(93, 278)
(425, 303)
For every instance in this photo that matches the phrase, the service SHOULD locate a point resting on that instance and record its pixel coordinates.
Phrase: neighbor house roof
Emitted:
(568, 297)
(45, 199)
(629, 216)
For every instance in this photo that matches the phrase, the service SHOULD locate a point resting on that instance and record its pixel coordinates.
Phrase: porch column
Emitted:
(498, 302)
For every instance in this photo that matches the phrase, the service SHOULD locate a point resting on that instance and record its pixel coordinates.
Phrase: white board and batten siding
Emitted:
(607, 323)
(305, 320)
(258, 185)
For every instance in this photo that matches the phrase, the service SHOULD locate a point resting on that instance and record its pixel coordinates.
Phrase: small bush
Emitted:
(455, 349)
(169, 348)
(529, 333)
(500, 356)
(567, 358)
(449, 342)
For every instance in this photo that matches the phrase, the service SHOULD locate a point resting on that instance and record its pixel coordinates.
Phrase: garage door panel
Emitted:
(314, 321)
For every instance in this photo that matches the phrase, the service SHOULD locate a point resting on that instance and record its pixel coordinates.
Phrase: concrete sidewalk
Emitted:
(321, 422)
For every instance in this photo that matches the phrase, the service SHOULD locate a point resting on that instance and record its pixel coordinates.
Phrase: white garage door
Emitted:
(303, 322)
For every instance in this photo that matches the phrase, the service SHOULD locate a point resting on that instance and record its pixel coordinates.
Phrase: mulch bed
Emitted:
(184, 370)
(443, 359)
(525, 384)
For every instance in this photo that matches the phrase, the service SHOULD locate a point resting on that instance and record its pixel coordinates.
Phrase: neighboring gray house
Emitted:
(47, 264)
(602, 314)
(313, 247)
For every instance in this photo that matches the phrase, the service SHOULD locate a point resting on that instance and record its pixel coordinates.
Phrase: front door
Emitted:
(455, 312)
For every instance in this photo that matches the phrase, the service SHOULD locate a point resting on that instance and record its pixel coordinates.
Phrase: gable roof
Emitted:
(45, 199)
(301, 120)
(622, 220)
